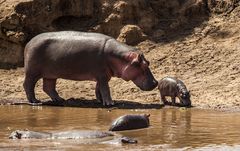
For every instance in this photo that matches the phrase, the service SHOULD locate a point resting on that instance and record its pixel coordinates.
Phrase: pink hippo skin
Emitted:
(82, 56)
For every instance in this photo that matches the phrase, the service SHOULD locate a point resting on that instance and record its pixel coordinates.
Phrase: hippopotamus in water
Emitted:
(173, 87)
(82, 56)
(86, 136)
(129, 122)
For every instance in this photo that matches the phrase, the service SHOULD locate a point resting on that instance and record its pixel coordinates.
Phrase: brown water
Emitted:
(173, 128)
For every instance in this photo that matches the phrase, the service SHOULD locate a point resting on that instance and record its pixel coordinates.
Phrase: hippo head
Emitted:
(137, 70)
(16, 135)
(185, 98)
(147, 118)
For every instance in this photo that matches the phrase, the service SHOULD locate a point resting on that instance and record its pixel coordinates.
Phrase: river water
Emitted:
(171, 128)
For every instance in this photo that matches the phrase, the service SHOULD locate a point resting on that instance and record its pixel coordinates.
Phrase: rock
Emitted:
(10, 53)
(131, 35)
(111, 25)
(16, 37)
(126, 20)
(158, 34)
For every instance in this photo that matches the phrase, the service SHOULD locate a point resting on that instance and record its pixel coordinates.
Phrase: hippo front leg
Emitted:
(104, 90)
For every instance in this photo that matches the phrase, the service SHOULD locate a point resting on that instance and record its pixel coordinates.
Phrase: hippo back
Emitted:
(129, 122)
(168, 86)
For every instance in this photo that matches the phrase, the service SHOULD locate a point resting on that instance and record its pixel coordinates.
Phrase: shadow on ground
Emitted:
(119, 104)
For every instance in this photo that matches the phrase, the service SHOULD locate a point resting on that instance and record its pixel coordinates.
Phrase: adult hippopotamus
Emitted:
(82, 56)
(86, 136)
(173, 87)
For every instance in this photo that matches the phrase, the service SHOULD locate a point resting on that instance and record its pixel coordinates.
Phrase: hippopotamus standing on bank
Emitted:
(82, 56)
(173, 87)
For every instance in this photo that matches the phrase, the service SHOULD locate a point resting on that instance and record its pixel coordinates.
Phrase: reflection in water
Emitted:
(170, 128)
(35, 119)
(186, 128)
(103, 118)
(176, 126)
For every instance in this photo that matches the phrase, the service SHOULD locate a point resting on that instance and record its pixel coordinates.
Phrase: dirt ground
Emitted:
(207, 59)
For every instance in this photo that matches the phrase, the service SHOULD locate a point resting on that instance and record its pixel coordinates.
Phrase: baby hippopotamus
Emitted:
(129, 122)
(173, 87)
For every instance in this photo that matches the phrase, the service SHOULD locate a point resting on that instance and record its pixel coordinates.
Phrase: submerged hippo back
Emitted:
(129, 122)
(84, 134)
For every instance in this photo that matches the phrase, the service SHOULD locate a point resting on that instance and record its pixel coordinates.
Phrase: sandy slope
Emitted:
(207, 60)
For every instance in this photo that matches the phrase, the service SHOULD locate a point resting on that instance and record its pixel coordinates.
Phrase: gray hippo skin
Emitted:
(82, 56)
(130, 122)
(173, 87)
(86, 135)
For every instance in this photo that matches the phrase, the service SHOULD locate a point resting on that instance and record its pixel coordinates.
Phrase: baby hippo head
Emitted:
(137, 70)
(185, 98)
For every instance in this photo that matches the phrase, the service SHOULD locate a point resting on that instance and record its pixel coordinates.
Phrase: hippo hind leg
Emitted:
(163, 99)
(29, 85)
(98, 93)
(49, 87)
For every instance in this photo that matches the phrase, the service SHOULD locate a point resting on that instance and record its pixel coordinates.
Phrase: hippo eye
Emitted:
(185, 96)
(148, 63)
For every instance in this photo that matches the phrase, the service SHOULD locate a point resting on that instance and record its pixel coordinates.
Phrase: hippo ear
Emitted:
(141, 57)
(147, 115)
(134, 58)
(135, 62)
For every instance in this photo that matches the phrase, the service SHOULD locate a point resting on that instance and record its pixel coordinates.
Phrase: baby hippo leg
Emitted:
(163, 99)
(173, 100)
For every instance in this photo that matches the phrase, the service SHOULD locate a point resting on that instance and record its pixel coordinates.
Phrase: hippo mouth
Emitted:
(147, 86)
(186, 103)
